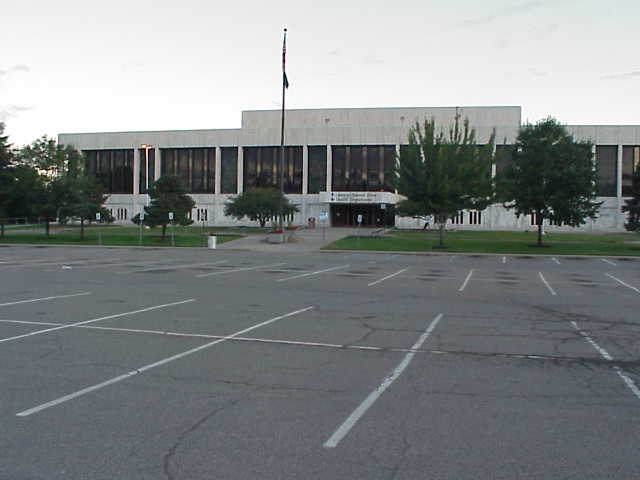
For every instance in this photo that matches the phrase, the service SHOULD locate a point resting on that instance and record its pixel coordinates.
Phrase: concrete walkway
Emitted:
(309, 240)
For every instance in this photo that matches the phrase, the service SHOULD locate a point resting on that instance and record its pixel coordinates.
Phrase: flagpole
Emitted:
(284, 86)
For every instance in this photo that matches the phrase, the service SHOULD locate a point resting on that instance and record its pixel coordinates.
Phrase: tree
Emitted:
(83, 198)
(632, 205)
(64, 188)
(260, 204)
(47, 156)
(551, 176)
(443, 174)
(168, 194)
(6, 177)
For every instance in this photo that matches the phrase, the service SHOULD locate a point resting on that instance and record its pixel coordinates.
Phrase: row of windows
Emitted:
(354, 168)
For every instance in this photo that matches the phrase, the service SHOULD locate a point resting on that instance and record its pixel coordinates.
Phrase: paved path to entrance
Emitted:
(311, 240)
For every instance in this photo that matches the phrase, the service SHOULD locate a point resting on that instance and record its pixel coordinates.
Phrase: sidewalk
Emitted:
(310, 240)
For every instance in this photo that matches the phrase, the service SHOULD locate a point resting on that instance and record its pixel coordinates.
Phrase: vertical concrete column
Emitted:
(329, 168)
(157, 171)
(305, 169)
(136, 171)
(218, 172)
(240, 169)
(619, 202)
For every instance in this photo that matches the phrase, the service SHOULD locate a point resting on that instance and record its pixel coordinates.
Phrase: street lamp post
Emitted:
(146, 165)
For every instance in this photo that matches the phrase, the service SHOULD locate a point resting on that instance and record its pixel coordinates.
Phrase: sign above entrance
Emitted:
(359, 197)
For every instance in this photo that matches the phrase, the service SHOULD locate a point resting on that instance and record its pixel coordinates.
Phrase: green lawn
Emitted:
(497, 242)
(117, 235)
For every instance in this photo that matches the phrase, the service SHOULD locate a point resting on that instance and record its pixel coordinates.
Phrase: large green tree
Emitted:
(168, 194)
(551, 176)
(632, 205)
(82, 197)
(442, 174)
(6, 177)
(260, 205)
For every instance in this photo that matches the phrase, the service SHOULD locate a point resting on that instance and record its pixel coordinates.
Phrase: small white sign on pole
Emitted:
(360, 218)
(170, 215)
(324, 216)
(98, 216)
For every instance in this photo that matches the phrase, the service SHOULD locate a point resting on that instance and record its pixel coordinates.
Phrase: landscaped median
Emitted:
(616, 244)
(124, 236)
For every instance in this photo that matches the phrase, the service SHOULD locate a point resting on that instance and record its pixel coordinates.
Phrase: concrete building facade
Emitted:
(335, 164)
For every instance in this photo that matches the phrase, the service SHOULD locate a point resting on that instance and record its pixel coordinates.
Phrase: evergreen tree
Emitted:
(443, 174)
(551, 176)
(632, 205)
(168, 194)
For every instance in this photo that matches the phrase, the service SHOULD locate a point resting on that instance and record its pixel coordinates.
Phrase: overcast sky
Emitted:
(83, 65)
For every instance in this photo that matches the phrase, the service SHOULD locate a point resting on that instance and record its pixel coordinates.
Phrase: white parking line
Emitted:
(150, 366)
(313, 273)
(547, 284)
(387, 277)
(239, 270)
(86, 322)
(466, 280)
(174, 267)
(609, 262)
(44, 298)
(625, 378)
(348, 424)
(623, 283)
(504, 259)
(555, 260)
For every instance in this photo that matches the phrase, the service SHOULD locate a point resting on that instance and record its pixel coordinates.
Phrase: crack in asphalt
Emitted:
(167, 459)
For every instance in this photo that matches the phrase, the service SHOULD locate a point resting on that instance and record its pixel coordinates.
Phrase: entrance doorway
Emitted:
(346, 215)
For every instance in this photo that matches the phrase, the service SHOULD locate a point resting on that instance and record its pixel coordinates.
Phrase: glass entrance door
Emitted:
(346, 215)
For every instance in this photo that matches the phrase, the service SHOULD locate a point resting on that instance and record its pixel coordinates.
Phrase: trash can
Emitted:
(211, 241)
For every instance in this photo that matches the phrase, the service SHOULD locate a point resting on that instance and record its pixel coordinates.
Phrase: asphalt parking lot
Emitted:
(196, 364)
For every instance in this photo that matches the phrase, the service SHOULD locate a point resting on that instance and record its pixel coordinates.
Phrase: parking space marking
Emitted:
(348, 424)
(150, 366)
(504, 259)
(547, 284)
(466, 280)
(86, 322)
(604, 354)
(174, 267)
(554, 259)
(43, 299)
(313, 273)
(387, 277)
(245, 269)
(622, 283)
(609, 262)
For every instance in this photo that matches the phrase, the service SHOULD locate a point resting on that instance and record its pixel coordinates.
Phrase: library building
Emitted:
(336, 166)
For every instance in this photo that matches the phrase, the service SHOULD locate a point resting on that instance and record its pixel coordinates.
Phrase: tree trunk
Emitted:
(81, 228)
(441, 235)
(2, 227)
(540, 219)
(47, 227)
(164, 230)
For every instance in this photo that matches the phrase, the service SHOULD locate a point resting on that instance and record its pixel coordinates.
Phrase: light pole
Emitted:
(146, 147)
(146, 165)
